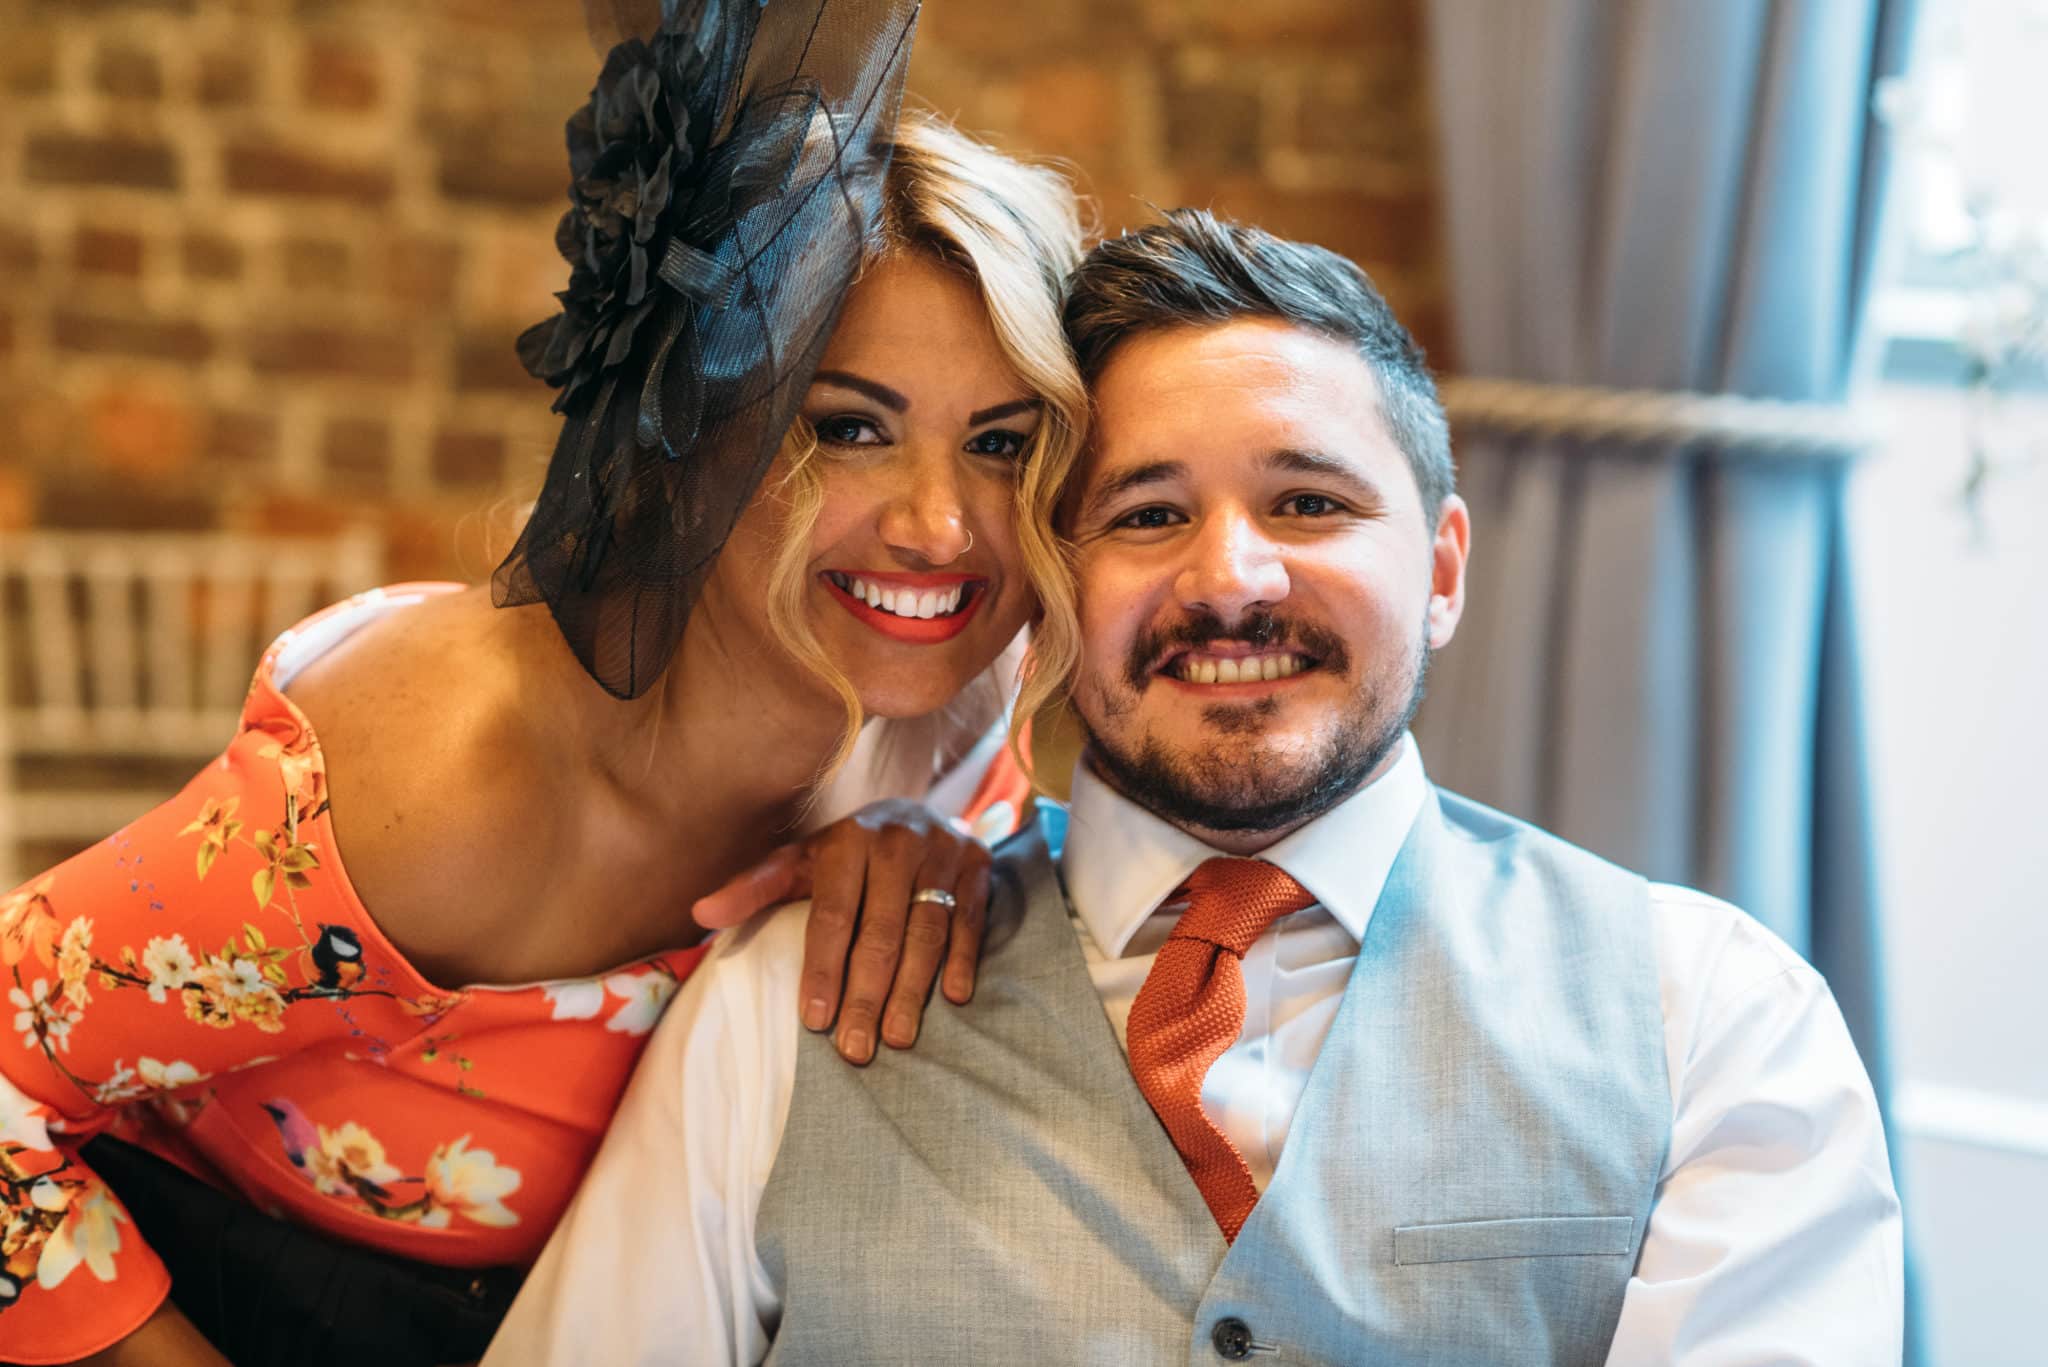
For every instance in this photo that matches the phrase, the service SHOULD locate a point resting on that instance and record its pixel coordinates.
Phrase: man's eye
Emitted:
(1147, 519)
(998, 442)
(1311, 505)
(848, 430)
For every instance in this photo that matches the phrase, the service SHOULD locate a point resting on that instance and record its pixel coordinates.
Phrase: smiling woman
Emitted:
(969, 265)
(475, 832)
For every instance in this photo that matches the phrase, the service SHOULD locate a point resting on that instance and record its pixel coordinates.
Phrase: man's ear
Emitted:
(1449, 554)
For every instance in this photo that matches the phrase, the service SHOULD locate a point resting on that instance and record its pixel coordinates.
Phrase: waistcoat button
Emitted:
(1232, 1338)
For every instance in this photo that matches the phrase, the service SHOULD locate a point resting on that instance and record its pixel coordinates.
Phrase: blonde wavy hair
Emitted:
(1015, 230)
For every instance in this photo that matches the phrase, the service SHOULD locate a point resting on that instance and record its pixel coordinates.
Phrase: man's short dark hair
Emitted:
(1194, 268)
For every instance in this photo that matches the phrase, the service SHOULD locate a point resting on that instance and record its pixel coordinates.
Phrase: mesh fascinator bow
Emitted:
(726, 174)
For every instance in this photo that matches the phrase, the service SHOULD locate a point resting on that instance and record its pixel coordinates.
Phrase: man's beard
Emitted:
(1220, 791)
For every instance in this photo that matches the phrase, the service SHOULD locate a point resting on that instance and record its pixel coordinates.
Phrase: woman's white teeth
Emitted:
(1240, 669)
(905, 602)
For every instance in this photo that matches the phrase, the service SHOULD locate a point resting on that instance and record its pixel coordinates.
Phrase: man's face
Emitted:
(1259, 583)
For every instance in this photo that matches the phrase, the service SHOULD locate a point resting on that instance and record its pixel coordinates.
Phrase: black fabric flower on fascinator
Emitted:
(726, 173)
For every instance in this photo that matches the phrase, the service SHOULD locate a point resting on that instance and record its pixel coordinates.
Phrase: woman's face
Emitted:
(914, 581)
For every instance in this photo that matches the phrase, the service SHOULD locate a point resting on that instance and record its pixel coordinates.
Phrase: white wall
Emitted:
(1958, 666)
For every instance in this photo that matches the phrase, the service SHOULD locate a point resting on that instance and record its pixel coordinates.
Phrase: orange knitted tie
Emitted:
(1190, 1010)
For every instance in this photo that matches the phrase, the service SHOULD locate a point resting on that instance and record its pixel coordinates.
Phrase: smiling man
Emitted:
(1281, 1053)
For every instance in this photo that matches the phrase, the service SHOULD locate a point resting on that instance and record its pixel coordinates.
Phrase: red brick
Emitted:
(1077, 111)
(83, 159)
(17, 499)
(356, 453)
(1048, 27)
(37, 422)
(316, 264)
(1212, 126)
(337, 75)
(489, 362)
(208, 257)
(285, 513)
(142, 430)
(225, 79)
(420, 545)
(89, 500)
(1429, 321)
(467, 90)
(18, 254)
(240, 439)
(268, 169)
(107, 251)
(493, 172)
(28, 61)
(421, 271)
(511, 272)
(340, 352)
(127, 334)
(469, 458)
(1383, 230)
(128, 72)
(117, 6)
(545, 20)
(1368, 104)
(1302, 23)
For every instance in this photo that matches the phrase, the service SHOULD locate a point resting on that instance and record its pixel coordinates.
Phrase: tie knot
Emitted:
(1232, 901)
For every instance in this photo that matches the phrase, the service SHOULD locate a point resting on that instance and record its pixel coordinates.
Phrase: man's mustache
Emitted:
(1260, 628)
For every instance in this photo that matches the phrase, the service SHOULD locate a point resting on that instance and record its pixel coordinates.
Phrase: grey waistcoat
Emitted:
(1467, 1179)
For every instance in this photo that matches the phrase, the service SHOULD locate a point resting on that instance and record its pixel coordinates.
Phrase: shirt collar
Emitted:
(1121, 861)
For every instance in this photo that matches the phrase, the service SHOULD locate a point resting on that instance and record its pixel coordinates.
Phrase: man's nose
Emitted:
(925, 518)
(1232, 566)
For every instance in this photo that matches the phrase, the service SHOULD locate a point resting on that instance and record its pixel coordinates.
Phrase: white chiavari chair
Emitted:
(137, 648)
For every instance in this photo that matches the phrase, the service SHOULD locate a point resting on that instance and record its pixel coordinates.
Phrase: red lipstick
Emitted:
(910, 630)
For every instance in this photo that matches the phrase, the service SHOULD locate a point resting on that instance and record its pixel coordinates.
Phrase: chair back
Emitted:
(121, 653)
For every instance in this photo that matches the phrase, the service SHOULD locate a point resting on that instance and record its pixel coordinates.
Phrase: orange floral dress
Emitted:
(206, 984)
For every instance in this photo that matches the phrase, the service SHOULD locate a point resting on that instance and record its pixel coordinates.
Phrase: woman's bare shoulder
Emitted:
(437, 772)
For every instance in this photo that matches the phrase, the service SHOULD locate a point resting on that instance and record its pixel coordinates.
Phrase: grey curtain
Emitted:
(1659, 657)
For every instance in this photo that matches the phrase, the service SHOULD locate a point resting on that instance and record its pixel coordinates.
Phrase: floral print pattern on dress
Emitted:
(206, 984)
(348, 1163)
(53, 1216)
(248, 981)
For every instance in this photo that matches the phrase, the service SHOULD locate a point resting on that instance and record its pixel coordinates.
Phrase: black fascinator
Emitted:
(726, 173)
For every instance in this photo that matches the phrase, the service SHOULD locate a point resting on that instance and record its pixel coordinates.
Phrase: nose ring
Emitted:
(970, 542)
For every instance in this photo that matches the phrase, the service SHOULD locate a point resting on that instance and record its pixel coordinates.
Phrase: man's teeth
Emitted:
(1197, 669)
(905, 602)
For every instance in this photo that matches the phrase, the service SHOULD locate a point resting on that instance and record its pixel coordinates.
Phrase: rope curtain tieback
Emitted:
(1768, 429)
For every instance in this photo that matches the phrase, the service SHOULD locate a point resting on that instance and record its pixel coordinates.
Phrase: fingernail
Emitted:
(896, 1029)
(957, 986)
(856, 1045)
(817, 1013)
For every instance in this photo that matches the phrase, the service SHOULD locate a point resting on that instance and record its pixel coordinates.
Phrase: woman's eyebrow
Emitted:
(1003, 410)
(880, 393)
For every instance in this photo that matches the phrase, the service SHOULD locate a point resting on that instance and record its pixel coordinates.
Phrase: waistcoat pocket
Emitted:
(1546, 1236)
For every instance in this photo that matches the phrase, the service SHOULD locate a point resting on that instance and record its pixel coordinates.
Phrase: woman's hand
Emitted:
(861, 874)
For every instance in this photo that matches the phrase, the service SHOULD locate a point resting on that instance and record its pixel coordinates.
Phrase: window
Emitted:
(1953, 578)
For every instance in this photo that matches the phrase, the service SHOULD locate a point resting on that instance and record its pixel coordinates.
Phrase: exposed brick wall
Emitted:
(262, 261)
(1308, 117)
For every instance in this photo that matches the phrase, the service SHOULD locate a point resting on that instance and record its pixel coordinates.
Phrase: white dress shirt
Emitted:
(1774, 1236)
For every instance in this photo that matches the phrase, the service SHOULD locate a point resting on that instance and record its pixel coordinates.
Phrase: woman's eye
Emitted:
(1147, 519)
(997, 442)
(848, 430)
(1310, 505)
